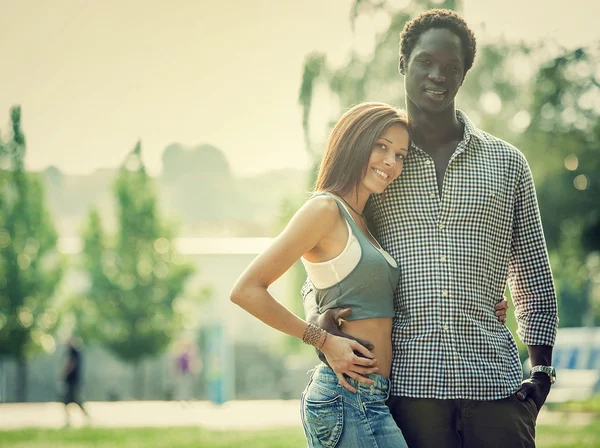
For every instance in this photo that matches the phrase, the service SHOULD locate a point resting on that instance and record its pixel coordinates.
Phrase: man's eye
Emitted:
(425, 61)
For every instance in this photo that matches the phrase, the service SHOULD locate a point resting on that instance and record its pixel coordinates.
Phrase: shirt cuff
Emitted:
(537, 329)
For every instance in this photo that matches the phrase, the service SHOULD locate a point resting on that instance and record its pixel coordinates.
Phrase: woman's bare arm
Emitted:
(309, 226)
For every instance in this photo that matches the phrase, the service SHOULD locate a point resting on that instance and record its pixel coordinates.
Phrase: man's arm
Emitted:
(538, 386)
(532, 287)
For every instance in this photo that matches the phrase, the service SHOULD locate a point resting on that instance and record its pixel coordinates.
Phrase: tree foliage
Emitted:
(564, 133)
(30, 266)
(135, 277)
(204, 170)
(562, 142)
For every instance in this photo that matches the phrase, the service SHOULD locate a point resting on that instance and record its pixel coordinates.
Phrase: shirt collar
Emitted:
(470, 129)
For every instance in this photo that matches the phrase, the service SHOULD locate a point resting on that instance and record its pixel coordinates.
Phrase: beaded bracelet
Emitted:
(314, 335)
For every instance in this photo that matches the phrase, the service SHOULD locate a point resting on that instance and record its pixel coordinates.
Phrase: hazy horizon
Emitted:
(92, 81)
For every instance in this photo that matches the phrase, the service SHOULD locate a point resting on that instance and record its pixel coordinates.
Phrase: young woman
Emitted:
(349, 269)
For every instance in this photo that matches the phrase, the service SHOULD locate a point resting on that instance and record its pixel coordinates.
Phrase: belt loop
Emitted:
(311, 372)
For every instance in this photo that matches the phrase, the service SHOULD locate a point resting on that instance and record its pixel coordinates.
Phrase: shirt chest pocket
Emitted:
(481, 198)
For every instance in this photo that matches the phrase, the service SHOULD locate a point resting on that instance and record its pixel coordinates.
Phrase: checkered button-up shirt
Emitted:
(456, 253)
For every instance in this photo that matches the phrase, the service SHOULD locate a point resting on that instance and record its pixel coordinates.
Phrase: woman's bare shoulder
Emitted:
(323, 208)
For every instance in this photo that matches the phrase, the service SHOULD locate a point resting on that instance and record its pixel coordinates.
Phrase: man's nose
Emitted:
(437, 75)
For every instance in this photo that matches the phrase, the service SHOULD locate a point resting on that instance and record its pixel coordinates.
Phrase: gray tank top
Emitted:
(369, 288)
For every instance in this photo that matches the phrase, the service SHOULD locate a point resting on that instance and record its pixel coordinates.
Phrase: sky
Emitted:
(93, 78)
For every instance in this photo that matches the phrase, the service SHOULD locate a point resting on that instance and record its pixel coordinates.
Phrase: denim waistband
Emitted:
(382, 384)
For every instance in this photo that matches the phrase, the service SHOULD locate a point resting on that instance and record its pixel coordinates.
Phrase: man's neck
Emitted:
(431, 130)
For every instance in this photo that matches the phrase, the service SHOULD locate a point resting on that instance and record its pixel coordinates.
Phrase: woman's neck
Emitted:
(356, 201)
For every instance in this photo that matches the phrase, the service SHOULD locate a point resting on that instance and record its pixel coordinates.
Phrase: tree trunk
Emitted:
(2, 380)
(21, 380)
(139, 380)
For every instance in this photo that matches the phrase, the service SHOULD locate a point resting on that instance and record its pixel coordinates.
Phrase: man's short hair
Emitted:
(438, 18)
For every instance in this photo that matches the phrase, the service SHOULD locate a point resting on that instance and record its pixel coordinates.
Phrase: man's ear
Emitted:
(401, 64)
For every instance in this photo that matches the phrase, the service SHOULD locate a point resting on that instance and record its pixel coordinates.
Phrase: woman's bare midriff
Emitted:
(377, 331)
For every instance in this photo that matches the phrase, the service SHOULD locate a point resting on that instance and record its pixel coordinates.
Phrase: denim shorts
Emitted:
(332, 416)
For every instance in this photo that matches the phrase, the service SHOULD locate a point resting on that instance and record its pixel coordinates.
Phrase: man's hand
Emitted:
(537, 388)
(331, 320)
(501, 310)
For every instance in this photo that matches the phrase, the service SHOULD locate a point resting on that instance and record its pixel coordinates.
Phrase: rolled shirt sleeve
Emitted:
(530, 277)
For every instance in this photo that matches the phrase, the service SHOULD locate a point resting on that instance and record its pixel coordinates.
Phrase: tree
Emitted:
(135, 278)
(562, 144)
(205, 170)
(30, 266)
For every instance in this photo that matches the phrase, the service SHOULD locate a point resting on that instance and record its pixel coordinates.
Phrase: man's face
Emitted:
(435, 70)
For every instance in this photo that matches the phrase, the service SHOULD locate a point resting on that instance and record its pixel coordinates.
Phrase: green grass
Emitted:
(560, 436)
(590, 405)
(150, 438)
(548, 436)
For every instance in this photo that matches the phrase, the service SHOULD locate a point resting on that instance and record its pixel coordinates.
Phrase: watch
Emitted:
(548, 370)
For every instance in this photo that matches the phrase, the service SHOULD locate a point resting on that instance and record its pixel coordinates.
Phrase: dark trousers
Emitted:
(428, 423)
(71, 394)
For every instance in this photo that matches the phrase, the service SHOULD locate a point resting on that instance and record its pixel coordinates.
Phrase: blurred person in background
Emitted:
(71, 378)
(185, 366)
(461, 221)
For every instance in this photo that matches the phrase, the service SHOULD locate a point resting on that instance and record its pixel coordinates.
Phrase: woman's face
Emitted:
(387, 157)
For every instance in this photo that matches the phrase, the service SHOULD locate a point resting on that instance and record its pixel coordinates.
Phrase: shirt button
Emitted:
(444, 293)
(427, 162)
(446, 327)
(443, 259)
(432, 195)
(441, 226)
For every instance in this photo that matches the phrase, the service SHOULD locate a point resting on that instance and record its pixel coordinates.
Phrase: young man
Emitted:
(461, 221)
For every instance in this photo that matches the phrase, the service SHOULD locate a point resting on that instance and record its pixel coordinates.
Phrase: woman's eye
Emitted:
(381, 146)
(400, 156)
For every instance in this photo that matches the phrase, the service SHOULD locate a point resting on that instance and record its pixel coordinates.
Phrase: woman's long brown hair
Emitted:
(349, 146)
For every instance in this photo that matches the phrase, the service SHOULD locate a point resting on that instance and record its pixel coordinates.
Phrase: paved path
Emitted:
(234, 415)
(124, 414)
